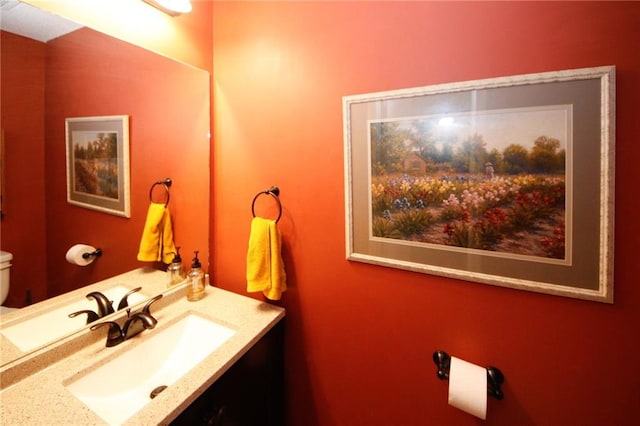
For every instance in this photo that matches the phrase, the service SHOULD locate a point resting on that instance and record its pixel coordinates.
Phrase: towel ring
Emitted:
(274, 191)
(166, 183)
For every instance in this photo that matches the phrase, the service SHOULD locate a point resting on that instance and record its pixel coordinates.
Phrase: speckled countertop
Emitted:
(151, 280)
(34, 389)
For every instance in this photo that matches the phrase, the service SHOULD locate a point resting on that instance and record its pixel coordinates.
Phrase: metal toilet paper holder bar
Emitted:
(96, 253)
(495, 378)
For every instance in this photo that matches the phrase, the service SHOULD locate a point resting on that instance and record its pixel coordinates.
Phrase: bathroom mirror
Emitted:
(85, 73)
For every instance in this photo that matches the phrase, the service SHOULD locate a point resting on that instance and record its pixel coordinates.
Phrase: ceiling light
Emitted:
(172, 7)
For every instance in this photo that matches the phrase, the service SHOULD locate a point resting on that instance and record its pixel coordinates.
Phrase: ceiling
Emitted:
(28, 21)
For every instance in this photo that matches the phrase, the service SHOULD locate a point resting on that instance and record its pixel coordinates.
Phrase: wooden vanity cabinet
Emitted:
(250, 393)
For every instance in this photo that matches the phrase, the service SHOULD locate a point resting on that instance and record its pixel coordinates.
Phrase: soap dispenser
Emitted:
(175, 270)
(195, 280)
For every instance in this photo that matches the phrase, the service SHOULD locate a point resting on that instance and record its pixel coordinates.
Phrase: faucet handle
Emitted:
(115, 334)
(147, 307)
(124, 303)
(91, 316)
(105, 306)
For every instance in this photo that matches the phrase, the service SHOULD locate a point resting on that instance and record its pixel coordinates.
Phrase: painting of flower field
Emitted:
(493, 181)
(505, 181)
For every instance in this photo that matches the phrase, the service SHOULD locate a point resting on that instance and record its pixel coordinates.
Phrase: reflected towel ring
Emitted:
(166, 183)
(274, 191)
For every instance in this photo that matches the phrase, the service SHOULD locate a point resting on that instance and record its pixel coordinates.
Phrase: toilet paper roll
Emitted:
(74, 254)
(468, 387)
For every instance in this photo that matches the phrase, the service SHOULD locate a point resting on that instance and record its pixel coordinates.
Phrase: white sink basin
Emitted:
(51, 325)
(118, 389)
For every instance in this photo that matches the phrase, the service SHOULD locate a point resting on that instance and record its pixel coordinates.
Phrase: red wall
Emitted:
(22, 121)
(89, 74)
(184, 37)
(360, 337)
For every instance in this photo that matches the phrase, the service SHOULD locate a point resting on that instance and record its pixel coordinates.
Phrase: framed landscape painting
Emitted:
(98, 163)
(505, 181)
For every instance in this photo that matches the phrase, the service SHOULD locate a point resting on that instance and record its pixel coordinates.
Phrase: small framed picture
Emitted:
(98, 163)
(505, 181)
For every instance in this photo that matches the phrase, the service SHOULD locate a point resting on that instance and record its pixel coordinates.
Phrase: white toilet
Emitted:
(5, 266)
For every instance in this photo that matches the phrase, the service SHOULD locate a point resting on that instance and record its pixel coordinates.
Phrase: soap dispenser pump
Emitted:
(195, 280)
(175, 270)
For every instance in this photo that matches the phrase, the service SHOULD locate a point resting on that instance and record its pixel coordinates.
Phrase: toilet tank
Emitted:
(5, 265)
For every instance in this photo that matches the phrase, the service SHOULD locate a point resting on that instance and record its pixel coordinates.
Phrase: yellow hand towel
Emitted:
(265, 268)
(157, 244)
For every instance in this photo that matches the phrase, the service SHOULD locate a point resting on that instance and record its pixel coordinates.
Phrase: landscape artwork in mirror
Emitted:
(98, 163)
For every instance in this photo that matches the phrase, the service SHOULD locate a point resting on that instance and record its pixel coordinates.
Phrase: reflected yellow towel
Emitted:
(157, 244)
(265, 268)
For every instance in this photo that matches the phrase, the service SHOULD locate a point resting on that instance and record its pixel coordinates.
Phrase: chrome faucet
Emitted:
(134, 325)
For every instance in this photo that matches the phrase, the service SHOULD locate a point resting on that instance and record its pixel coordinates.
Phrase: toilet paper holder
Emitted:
(96, 253)
(495, 378)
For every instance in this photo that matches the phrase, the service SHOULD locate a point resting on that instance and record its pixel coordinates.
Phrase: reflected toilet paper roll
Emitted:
(74, 254)
(468, 387)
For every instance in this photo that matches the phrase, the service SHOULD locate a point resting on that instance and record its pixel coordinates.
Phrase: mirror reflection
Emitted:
(83, 73)
(34, 329)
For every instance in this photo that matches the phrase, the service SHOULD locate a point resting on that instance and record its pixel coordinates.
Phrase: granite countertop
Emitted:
(37, 395)
(151, 280)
